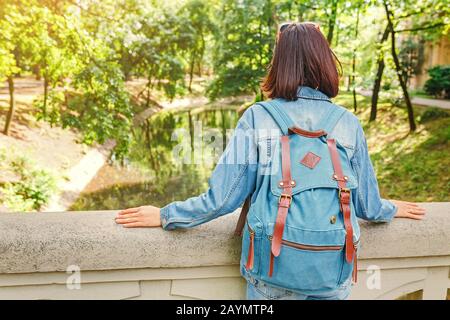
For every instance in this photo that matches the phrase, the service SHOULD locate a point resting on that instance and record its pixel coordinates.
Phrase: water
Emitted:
(153, 173)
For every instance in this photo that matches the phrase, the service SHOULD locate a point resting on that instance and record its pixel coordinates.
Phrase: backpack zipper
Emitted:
(251, 249)
(309, 247)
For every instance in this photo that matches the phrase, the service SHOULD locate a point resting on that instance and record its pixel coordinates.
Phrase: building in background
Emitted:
(433, 53)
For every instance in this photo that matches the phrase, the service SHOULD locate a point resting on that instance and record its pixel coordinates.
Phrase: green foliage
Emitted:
(51, 110)
(439, 83)
(433, 114)
(31, 187)
(86, 51)
(411, 57)
(244, 40)
(163, 42)
(103, 110)
(196, 17)
(7, 64)
(15, 47)
(409, 166)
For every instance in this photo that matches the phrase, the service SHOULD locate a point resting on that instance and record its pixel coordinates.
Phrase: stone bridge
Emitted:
(41, 254)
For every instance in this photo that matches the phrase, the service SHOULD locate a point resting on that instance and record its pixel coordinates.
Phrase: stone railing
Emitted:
(41, 255)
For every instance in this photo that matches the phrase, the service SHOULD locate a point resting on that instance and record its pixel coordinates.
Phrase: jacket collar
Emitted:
(310, 93)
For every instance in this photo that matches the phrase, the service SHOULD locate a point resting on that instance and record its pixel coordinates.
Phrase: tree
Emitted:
(431, 10)
(244, 41)
(196, 15)
(51, 59)
(7, 70)
(380, 68)
(163, 39)
(333, 5)
(409, 108)
(354, 53)
(15, 47)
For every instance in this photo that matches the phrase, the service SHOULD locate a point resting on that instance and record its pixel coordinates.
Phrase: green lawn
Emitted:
(410, 166)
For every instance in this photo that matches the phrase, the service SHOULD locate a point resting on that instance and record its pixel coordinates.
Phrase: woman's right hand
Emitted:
(408, 210)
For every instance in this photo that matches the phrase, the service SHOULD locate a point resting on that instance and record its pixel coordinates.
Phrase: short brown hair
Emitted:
(302, 57)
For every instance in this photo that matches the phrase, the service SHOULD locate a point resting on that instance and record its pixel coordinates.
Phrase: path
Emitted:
(426, 102)
(78, 177)
(438, 103)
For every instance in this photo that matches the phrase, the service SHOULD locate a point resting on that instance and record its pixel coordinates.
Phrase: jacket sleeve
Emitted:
(232, 180)
(366, 198)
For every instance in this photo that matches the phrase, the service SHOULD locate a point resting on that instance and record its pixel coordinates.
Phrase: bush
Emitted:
(433, 114)
(439, 83)
(31, 190)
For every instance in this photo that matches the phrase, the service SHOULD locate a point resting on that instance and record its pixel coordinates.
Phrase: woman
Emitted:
(304, 72)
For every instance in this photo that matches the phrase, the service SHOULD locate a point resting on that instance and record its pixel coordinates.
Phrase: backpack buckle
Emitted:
(287, 196)
(344, 195)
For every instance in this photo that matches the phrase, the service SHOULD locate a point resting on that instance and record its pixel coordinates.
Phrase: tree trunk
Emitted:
(202, 54)
(12, 105)
(332, 21)
(377, 83)
(148, 139)
(191, 134)
(300, 14)
(37, 72)
(289, 4)
(44, 105)
(354, 62)
(191, 72)
(398, 70)
(337, 34)
(148, 89)
(224, 129)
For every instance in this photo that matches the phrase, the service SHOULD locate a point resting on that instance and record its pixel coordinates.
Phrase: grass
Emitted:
(410, 166)
(421, 94)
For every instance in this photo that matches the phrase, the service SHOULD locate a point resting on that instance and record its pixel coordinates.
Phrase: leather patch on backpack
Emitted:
(310, 160)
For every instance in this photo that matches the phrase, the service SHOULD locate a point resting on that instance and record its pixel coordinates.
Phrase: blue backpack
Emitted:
(301, 232)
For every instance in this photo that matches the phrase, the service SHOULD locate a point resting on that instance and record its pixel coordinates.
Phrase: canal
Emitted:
(172, 157)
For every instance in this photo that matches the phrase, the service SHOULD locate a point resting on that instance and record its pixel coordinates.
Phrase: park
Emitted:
(96, 98)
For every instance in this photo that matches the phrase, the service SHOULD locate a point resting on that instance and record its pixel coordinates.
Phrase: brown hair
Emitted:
(302, 57)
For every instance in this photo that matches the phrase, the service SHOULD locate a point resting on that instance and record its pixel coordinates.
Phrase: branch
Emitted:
(388, 16)
(410, 14)
(439, 24)
(305, 5)
(95, 15)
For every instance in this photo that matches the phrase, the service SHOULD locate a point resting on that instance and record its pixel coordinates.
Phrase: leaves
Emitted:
(87, 50)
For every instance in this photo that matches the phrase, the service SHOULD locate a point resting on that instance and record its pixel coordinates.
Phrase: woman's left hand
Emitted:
(145, 216)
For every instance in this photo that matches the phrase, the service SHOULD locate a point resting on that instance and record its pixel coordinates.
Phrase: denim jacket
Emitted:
(248, 156)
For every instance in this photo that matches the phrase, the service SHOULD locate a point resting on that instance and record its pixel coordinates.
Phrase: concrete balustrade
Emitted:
(41, 253)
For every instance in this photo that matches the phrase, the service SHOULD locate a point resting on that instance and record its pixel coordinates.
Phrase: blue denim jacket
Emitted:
(248, 154)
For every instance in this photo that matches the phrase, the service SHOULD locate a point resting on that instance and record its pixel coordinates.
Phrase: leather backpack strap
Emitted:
(243, 217)
(344, 199)
(284, 202)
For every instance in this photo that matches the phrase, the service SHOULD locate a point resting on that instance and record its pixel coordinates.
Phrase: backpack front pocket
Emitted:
(308, 260)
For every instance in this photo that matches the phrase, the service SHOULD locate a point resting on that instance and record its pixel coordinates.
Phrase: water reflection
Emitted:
(153, 175)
